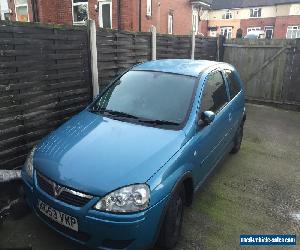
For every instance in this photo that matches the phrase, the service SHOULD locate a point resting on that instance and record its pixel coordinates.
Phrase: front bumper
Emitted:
(100, 230)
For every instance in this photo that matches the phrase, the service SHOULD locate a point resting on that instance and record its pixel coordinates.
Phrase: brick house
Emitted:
(169, 16)
(278, 18)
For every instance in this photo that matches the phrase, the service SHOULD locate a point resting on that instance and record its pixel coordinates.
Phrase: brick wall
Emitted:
(256, 22)
(182, 16)
(48, 11)
(60, 12)
(282, 23)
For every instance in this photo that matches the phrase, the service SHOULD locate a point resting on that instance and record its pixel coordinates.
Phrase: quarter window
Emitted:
(233, 82)
(21, 10)
(214, 96)
(80, 11)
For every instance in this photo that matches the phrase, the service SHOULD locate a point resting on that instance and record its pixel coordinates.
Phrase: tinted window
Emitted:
(214, 96)
(234, 85)
(150, 95)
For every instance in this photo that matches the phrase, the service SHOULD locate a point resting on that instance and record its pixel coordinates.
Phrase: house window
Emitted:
(255, 12)
(195, 22)
(253, 29)
(149, 8)
(80, 11)
(105, 14)
(170, 23)
(227, 15)
(21, 10)
(227, 32)
(6, 16)
(293, 32)
(269, 32)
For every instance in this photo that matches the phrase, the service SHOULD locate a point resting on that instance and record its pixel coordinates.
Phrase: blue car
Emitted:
(119, 174)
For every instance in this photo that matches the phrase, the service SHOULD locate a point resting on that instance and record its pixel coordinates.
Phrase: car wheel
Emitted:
(171, 228)
(238, 139)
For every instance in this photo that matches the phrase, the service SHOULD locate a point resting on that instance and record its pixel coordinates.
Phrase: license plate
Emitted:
(60, 217)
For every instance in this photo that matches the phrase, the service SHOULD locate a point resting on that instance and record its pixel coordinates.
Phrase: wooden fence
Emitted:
(44, 79)
(46, 75)
(270, 69)
(118, 51)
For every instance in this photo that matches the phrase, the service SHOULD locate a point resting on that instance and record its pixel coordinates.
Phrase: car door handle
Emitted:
(230, 117)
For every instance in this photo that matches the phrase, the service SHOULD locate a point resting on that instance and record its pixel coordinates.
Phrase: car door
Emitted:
(236, 99)
(210, 140)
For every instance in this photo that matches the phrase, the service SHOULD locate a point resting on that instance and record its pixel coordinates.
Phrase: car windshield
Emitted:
(148, 96)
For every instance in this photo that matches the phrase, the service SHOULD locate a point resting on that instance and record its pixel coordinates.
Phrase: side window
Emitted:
(214, 96)
(234, 85)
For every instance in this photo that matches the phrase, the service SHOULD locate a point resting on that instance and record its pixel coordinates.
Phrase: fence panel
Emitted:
(44, 79)
(45, 75)
(268, 68)
(117, 51)
(206, 48)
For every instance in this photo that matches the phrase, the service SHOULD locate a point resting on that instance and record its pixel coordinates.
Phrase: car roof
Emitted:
(176, 66)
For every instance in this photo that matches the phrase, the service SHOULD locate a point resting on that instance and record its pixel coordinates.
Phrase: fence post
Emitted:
(193, 45)
(153, 42)
(91, 25)
(220, 47)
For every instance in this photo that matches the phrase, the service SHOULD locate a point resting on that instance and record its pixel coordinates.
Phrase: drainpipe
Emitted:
(35, 12)
(119, 14)
(140, 15)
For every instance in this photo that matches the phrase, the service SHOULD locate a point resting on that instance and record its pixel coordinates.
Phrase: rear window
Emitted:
(234, 85)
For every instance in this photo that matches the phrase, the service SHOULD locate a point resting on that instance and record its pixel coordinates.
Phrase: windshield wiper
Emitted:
(114, 113)
(159, 122)
(139, 119)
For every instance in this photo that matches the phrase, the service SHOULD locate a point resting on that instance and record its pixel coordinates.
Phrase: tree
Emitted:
(239, 33)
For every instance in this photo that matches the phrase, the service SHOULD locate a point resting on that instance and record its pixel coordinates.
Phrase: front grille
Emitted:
(64, 194)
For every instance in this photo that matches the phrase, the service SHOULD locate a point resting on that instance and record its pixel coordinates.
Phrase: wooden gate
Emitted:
(269, 68)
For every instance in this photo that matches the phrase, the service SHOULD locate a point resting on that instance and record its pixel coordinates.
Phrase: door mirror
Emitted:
(207, 118)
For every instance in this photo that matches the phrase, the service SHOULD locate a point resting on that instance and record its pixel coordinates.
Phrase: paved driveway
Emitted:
(255, 191)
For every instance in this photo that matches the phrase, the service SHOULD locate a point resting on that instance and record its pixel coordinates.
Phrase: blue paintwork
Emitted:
(176, 66)
(97, 155)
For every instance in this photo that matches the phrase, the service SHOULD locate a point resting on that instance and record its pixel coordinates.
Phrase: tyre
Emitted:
(171, 228)
(238, 139)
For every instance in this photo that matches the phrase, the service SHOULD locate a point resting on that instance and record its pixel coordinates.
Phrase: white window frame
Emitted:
(255, 12)
(227, 15)
(295, 31)
(195, 21)
(229, 31)
(149, 8)
(77, 4)
(21, 5)
(170, 23)
(249, 29)
(102, 2)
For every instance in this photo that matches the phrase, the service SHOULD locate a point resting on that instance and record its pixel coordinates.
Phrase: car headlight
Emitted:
(127, 199)
(28, 166)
